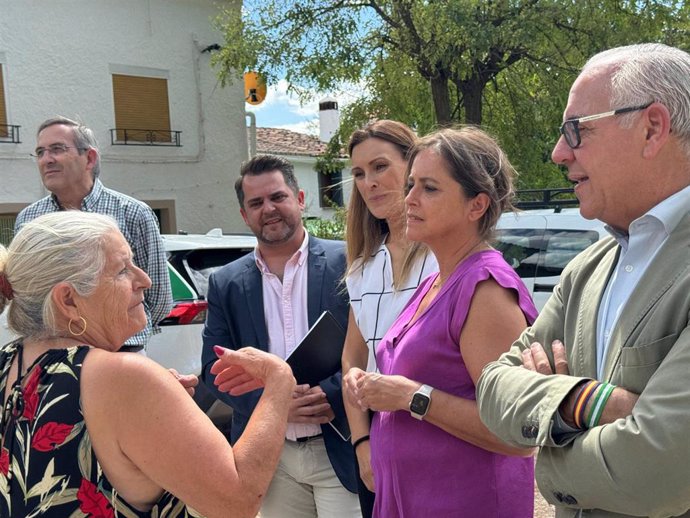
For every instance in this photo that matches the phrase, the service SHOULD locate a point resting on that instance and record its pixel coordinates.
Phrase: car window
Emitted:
(541, 253)
(561, 247)
(181, 289)
(195, 266)
(520, 248)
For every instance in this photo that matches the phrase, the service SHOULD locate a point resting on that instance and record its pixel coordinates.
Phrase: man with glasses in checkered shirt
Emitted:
(69, 163)
(600, 381)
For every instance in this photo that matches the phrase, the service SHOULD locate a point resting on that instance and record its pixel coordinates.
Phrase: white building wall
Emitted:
(58, 59)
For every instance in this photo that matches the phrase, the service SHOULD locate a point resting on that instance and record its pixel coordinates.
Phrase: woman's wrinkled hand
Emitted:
(379, 392)
(247, 369)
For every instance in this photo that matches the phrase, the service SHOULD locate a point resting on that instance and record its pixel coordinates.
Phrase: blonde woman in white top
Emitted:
(384, 268)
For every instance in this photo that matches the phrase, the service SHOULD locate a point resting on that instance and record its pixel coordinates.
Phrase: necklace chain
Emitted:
(439, 283)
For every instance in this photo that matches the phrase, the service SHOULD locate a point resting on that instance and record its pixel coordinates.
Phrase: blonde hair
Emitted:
(58, 247)
(364, 232)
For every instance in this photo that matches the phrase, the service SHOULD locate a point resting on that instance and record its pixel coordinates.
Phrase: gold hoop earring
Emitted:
(83, 322)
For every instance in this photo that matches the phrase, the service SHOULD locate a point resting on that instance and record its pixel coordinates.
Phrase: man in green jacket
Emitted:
(607, 397)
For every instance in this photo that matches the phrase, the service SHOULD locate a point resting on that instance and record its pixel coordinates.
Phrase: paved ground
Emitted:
(541, 508)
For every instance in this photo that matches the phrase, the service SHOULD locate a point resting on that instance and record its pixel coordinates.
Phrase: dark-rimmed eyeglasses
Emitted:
(55, 150)
(570, 129)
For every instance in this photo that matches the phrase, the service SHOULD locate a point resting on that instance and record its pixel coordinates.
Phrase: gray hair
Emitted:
(58, 247)
(650, 72)
(83, 138)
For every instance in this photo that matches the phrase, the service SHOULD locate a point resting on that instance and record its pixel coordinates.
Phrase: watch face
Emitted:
(419, 404)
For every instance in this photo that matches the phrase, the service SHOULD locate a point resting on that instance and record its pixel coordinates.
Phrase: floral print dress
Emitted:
(47, 465)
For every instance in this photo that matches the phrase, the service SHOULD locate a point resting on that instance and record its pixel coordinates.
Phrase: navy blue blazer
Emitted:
(235, 319)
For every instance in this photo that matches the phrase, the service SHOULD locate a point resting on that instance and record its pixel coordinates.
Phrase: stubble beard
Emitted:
(283, 237)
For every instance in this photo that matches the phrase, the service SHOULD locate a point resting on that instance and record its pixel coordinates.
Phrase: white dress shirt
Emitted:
(646, 235)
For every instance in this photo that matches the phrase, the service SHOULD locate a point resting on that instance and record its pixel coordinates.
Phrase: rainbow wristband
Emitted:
(581, 403)
(599, 403)
(588, 418)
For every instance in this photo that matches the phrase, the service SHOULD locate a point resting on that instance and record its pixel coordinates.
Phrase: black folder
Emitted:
(318, 354)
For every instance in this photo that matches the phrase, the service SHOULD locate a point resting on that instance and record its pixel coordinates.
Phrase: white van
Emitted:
(539, 243)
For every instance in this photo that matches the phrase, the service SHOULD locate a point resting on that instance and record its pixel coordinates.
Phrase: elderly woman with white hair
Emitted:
(87, 431)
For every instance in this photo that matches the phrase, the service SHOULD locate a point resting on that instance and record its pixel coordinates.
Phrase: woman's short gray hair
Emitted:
(59, 247)
(650, 72)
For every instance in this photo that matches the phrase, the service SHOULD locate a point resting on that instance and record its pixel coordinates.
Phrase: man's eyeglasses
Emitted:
(570, 129)
(55, 150)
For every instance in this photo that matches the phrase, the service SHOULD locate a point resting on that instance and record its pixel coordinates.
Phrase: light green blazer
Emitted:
(637, 466)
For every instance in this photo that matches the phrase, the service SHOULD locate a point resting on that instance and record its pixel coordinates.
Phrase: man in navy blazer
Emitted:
(268, 299)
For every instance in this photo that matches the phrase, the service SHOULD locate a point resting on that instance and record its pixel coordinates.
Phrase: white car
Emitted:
(539, 243)
(191, 260)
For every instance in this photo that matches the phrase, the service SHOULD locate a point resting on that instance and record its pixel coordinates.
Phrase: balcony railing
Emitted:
(144, 137)
(9, 133)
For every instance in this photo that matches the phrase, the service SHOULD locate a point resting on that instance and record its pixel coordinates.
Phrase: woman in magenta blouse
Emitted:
(431, 455)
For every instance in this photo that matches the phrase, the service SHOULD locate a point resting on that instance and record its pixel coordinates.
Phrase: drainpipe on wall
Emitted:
(251, 133)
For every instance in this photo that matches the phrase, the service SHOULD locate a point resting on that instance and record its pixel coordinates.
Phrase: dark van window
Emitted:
(561, 247)
(541, 253)
(520, 248)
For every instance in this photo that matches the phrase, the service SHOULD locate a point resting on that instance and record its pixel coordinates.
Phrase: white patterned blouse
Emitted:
(374, 302)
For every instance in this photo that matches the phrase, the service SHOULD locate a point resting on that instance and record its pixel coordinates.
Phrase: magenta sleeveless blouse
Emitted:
(420, 470)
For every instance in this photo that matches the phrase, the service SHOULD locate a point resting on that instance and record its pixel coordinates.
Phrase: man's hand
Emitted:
(239, 372)
(619, 405)
(535, 359)
(310, 406)
(188, 381)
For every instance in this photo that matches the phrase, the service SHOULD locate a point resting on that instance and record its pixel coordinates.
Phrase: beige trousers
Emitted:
(305, 486)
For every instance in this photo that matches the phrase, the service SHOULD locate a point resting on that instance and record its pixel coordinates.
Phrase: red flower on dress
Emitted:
(31, 393)
(50, 436)
(92, 502)
(4, 461)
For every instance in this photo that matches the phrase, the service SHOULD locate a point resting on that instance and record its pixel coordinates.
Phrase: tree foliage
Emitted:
(328, 228)
(505, 64)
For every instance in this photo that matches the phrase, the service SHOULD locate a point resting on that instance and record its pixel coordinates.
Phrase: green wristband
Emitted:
(599, 404)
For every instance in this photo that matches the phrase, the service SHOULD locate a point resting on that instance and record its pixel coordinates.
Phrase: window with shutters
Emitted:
(9, 133)
(142, 112)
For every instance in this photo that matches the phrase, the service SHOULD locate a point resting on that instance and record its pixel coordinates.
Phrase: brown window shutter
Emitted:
(141, 104)
(3, 111)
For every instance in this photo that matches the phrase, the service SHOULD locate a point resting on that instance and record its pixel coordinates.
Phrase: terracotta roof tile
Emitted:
(286, 142)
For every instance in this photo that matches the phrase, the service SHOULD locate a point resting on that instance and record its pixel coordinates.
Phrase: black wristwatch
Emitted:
(419, 406)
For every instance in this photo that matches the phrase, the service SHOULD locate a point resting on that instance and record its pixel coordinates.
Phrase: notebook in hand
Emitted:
(318, 354)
